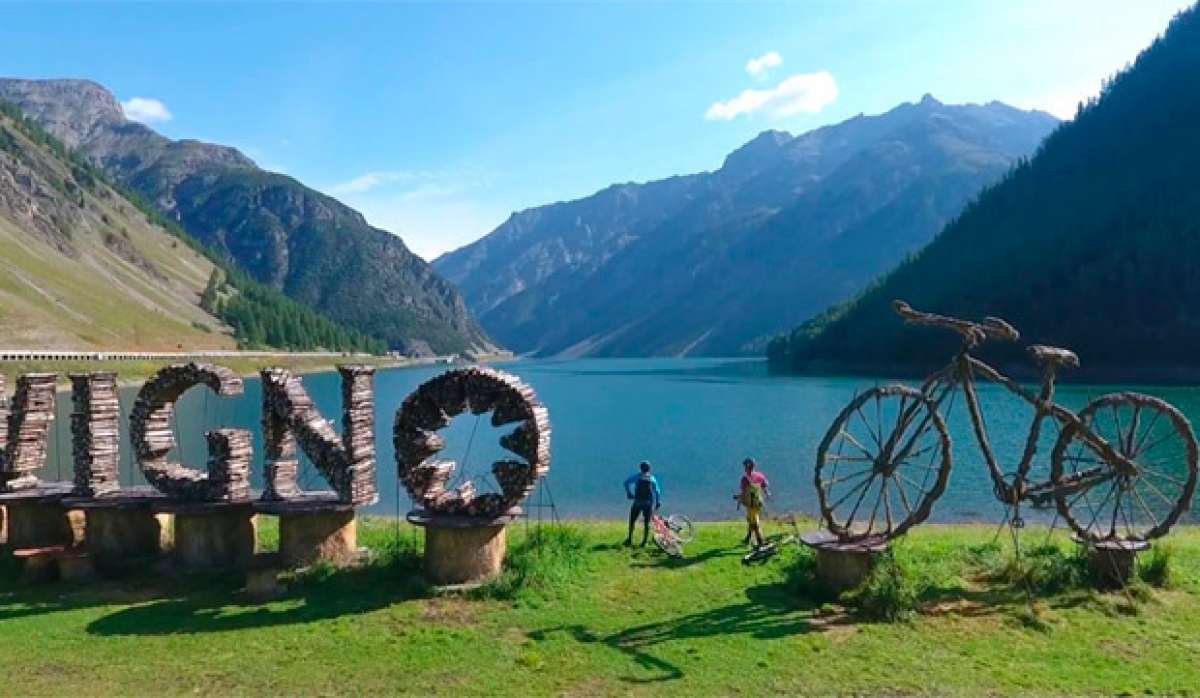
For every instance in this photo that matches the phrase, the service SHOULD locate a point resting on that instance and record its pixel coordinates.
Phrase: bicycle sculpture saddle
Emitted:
(1053, 356)
(973, 333)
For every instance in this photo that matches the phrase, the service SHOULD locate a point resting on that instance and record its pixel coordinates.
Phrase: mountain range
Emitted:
(1093, 244)
(282, 233)
(716, 262)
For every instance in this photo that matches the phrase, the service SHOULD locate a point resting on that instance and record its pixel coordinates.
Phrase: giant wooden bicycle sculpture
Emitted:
(1122, 469)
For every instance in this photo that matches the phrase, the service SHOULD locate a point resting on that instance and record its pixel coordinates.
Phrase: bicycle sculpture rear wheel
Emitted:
(682, 527)
(1102, 503)
(882, 464)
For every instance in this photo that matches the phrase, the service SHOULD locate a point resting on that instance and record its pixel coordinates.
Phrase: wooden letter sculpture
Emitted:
(290, 417)
(25, 430)
(479, 390)
(95, 442)
(228, 476)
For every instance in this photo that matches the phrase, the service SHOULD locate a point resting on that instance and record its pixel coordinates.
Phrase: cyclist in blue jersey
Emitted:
(643, 489)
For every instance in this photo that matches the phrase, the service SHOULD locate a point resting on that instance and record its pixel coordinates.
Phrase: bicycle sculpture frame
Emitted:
(1134, 454)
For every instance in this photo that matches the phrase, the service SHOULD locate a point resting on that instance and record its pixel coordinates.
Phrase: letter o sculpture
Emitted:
(478, 390)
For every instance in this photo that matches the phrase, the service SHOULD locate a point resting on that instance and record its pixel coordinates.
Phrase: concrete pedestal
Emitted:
(1112, 564)
(118, 535)
(843, 565)
(325, 536)
(218, 536)
(38, 524)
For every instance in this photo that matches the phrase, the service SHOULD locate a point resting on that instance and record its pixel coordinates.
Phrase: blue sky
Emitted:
(437, 121)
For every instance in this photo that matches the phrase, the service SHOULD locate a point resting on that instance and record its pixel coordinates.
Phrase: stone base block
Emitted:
(1113, 563)
(318, 536)
(222, 537)
(842, 566)
(262, 577)
(460, 555)
(38, 569)
(43, 524)
(119, 535)
(76, 566)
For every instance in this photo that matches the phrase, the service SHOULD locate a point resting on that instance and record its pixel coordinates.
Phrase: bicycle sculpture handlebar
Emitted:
(973, 333)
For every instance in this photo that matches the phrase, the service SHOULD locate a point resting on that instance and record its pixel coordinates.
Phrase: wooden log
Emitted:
(95, 423)
(25, 424)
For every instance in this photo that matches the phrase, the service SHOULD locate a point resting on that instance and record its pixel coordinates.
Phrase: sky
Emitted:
(438, 121)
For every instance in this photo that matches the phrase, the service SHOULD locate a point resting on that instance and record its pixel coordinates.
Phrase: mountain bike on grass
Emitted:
(672, 533)
(774, 542)
(1122, 469)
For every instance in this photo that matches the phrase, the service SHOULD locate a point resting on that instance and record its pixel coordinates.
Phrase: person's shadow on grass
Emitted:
(770, 611)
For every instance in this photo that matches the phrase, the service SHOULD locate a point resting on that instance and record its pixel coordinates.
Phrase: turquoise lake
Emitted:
(693, 419)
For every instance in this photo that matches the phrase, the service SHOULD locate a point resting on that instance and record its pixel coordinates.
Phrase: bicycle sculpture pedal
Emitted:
(1123, 469)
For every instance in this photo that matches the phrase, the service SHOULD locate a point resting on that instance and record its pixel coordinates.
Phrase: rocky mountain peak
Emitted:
(73, 110)
(758, 154)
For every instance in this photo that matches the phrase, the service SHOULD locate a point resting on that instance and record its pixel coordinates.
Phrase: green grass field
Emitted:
(580, 615)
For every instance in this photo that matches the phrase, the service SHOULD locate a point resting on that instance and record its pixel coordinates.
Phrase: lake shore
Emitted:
(578, 614)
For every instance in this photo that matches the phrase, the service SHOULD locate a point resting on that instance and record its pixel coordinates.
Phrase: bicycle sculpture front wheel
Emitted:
(682, 527)
(882, 464)
(1104, 500)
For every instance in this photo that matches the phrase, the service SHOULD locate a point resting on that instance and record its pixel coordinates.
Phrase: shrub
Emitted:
(890, 593)
(1042, 570)
(1156, 569)
(541, 564)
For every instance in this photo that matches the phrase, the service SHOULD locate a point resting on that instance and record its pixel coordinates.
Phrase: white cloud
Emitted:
(373, 180)
(757, 67)
(146, 110)
(802, 93)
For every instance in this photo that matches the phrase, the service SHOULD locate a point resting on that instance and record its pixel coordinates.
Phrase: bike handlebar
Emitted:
(973, 333)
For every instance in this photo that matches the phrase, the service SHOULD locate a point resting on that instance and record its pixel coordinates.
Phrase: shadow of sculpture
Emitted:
(318, 596)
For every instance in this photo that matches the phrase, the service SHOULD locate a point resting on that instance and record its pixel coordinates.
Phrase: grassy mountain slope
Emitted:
(1093, 244)
(83, 268)
(288, 236)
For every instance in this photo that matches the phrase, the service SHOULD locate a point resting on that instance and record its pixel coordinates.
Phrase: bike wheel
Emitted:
(885, 457)
(668, 543)
(1100, 501)
(682, 527)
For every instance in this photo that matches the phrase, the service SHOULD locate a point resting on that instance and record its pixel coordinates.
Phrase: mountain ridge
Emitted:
(632, 268)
